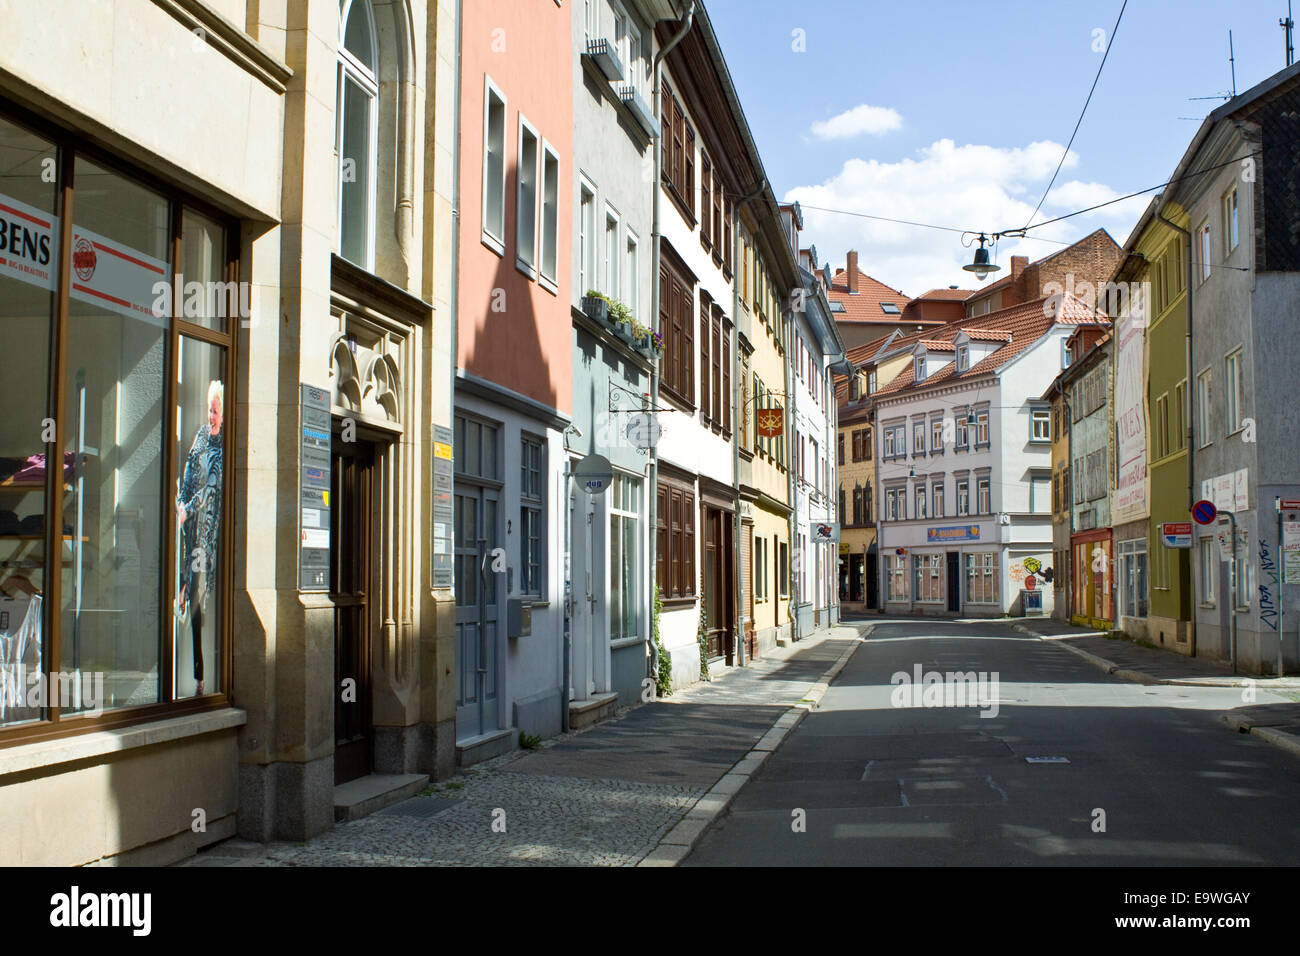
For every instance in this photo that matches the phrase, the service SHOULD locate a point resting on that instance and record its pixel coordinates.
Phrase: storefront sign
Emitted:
(966, 532)
(824, 531)
(314, 490)
(443, 513)
(29, 247)
(1291, 552)
(1176, 534)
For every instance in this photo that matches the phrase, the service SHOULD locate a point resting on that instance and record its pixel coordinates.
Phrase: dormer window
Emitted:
(871, 382)
(920, 368)
(963, 358)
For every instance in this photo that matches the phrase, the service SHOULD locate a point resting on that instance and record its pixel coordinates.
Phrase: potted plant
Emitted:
(620, 317)
(595, 306)
(646, 339)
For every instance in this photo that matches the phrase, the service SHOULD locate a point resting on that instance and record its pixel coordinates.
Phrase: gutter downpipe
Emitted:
(737, 433)
(655, 236)
(1190, 437)
(792, 457)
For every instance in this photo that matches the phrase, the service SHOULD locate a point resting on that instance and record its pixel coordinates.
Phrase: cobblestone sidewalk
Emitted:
(604, 796)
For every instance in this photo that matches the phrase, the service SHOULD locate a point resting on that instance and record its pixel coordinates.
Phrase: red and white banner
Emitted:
(105, 273)
(29, 244)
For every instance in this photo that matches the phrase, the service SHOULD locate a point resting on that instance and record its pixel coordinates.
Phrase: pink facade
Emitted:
(515, 329)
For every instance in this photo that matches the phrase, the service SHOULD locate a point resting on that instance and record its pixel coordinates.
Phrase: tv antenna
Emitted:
(1232, 62)
(1287, 26)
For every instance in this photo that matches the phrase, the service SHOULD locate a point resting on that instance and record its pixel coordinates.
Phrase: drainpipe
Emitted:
(792, 457)
(735, 417)
(1190, 437)
(652, 490)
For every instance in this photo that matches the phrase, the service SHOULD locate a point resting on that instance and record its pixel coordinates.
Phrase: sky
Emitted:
(957, 113)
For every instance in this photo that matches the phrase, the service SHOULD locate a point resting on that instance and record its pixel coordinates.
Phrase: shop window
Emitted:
(129, 603)
(356, 135)
(624, 557)
(982, 578)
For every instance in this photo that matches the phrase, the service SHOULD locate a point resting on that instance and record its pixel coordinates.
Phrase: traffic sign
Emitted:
(1204, 512)
(1289, 504)
(1176, 534)
(594, 474)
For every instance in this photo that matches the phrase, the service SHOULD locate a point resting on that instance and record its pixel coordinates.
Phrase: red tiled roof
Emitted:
(938, 345)
(865, 306)
(954, 295)
(1026, 324)
(988, 335)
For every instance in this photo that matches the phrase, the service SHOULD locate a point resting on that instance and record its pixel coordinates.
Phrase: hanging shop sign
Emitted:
(314, 490)
(770, 422)
(824, 531)
(644, 431)
(594, 474)
(1176, 534)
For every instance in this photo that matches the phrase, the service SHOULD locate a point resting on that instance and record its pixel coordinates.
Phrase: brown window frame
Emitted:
(675, 539)
(69, 147)
(677, 328)
(678, 165)
(706, 358)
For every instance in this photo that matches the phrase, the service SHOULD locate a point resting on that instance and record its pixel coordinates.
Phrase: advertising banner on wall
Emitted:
(1130, 501)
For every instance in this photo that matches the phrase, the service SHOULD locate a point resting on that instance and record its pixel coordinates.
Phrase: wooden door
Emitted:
(351, 506)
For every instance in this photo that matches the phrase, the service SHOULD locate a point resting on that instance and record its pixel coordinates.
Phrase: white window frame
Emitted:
(981, 424)
(350, 68)
(1231, 221)
(495, 242)
(528, 265)
(937, 503)
(919, 372)
(632, 250)
(963, 358)
(551, 190)
(626, 487)
(1207, 570)
(611, 253)
(1203, 251)
(1204, 406)
(963, 489)
(920, 505)
(1040, 415)
(984, 496)
(1234, 391)
(587, 261)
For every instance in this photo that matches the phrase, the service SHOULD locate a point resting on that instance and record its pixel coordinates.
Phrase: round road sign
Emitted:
(593, 474)
(1204, 512)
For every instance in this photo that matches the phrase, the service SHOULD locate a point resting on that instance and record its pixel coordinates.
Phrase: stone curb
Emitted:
(1278, 738)
(677, 844)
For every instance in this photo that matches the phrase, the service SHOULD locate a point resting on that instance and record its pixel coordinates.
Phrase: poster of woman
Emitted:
(198, 522)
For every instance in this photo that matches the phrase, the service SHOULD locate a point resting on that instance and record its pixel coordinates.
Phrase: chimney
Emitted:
(1018, 264)
(851, 271)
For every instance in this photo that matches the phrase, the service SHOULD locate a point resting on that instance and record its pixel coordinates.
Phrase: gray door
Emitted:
(477, 533)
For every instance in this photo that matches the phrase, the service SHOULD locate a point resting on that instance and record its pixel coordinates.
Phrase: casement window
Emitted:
(716, 212)
(586, 237)
(982, 578)
(866, 504)
(936, 494)
(1203, 432)
(1231, 235)
(985, 504)
(675, 541)
(551, 217)
(677, 328)
(840, 502)
(871, 382)
(678, 152)
(612, 270)
(1161, 426)
(532, 511)
(632, 282)
(1080, 481)
(727, 329)
(494, 166)
(982, 430)
(896, 504)
(857, 505)
(1203, 252)
(963, 497)
(728, 238)
(896, 578)
(839, 449)
(888, 451)
(962, 442)
(706, 200)
(920, 496)
(918, 439)
(963, 358)
(1179, 436)
(856, 438)
(1234, 395)
(1066, 356)
(866, 444)
(783, 569)
(936, 436)
(356, 135)
(919, 372)
(1208, 568)
(708, 363)
(1040, 495)
(526, 198)
(928, 577)
(1040, 425)
(140, 505)
(624, 557)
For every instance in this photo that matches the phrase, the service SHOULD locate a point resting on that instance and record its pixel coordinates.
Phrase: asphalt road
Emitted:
(882, 785)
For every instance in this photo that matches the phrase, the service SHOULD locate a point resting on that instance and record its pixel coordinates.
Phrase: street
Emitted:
(1154, 777)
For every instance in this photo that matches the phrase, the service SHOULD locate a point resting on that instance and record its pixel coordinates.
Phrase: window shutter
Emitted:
(715, 352)
(687, 351)
(706, 199)
(689, 179)
(688, 544)
(726, 377)
(661, 541)
(706, 410)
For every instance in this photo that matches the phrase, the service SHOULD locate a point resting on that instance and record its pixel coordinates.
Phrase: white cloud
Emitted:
(971, 187)
(864, 119)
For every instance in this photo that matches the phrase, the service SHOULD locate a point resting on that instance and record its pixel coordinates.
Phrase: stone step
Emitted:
(363, 796)
(494, 743)
(598, 707)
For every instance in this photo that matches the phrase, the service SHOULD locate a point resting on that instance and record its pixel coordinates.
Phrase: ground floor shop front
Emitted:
(967, 580)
